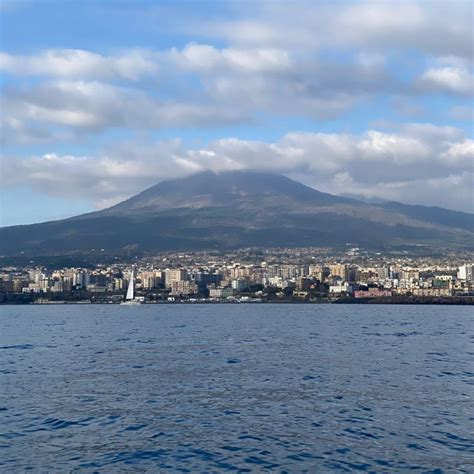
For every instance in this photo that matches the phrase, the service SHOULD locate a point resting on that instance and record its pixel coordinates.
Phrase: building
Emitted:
(68, 283)
(466, 273)
(319, 272)
(410, 275)
(340, 270)
(32, 288)
(220, 293)
(239, 284)
(175, 275)
(57, 287)
(44, 285)
(303, 284)
(341, 288)
(80, 279)
(118, 284)
(276, 281)
(372, 293)
(149, 280)
(183, 288)
(239, 272)
(18, 283)
(204, 279)
(382, 273)
(432, 292)
(289, 272)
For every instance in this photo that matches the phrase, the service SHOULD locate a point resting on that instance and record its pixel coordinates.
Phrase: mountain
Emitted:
(240, 209)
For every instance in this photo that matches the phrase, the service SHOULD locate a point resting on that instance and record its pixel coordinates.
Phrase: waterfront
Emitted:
(235, 387)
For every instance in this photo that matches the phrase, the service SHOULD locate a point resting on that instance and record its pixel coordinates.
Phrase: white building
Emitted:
(341, 288)
(220, 293)
(465, 273)
(81, 279)
(239, 284)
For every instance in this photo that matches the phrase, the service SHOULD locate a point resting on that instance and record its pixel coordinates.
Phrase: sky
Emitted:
(100, 100)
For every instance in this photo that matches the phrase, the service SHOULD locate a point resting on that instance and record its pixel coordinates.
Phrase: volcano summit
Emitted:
(240, 209)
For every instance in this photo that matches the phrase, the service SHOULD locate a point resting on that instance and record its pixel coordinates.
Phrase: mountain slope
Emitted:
(242, 188)
(239, 209)
(435, 215)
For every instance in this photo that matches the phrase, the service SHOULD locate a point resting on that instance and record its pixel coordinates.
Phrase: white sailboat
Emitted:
(130, 298)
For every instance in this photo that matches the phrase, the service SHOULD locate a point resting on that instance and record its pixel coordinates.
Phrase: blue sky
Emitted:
(102, 99)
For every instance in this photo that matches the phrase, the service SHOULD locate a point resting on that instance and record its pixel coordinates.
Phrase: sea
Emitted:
(236, 387)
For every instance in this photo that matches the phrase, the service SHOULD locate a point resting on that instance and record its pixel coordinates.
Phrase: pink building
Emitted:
(372, 293)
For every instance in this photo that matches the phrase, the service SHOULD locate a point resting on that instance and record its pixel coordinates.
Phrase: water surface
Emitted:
(245, 388)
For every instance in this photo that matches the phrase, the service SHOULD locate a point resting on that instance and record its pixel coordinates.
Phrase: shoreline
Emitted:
(452, 301)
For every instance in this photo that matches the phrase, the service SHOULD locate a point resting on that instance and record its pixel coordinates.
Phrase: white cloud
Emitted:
(391, 165)
(456, 80)
(201, 85)
(78, 63)
(460, 154)
(205, 57)
(82, 106)
(425, 27)
(235, 84)
(435, 28)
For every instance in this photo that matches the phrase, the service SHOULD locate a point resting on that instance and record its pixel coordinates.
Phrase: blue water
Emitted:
(245, 388)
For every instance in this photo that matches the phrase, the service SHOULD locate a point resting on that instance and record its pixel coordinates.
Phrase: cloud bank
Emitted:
(416, 163)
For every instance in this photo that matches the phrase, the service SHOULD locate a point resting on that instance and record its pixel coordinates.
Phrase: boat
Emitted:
(131, 298)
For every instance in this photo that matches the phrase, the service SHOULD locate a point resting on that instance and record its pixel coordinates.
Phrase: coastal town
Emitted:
(249, 275)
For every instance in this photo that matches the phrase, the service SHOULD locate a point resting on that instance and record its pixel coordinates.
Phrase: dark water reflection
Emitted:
(236, 387)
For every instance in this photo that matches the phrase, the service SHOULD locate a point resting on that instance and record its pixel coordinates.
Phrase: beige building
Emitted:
(432, 292)
(183, 288)
(175, 275)
(340, 270)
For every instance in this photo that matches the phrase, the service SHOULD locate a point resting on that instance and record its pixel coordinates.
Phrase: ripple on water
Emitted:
(58, 424)
(452, 441)
(134, 427)
(18, 346)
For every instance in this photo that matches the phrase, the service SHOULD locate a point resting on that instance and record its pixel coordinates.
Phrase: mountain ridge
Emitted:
(239, 209)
